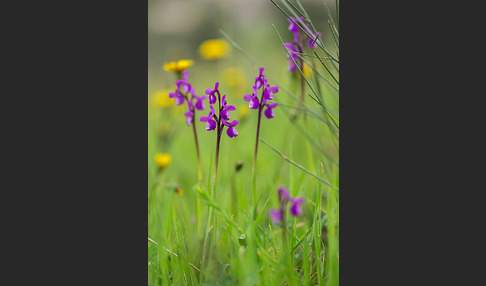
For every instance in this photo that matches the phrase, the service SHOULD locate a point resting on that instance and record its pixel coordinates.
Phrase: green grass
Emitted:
(243, 247)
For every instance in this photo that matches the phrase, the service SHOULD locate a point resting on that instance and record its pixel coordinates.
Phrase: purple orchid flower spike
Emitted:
(211, 124)
(210, 92)
(232, 132)
(185, 92)
(295, 208)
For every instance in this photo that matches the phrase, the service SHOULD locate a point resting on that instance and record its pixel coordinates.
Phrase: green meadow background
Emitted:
(247, 249)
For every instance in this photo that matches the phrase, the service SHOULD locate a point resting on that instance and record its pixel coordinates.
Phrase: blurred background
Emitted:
(176, 28)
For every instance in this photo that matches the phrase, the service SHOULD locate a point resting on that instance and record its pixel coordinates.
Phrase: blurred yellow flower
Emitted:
(179, 66)
(244, 111)
(162, 160)
(213, 49)
(162, 99)
(234, 76)
(179, 190)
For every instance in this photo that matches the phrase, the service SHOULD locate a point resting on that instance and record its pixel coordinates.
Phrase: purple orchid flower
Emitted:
(269, 113)
(253, 99)
(310, 42)
(178, 98)
(226, 109)
(232, 132)
(210, 92)
(200, 101)
(189, 114)
(277, 215)
(259, 79)
(211, 124)
(269, 91)
(293, 55)
(296, 45)
(295, 208)
(283, 194)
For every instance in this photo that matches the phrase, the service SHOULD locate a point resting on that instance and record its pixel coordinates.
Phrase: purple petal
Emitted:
(271, 105)
(233, 123)
(199, 104)
(204, 118)
(246, 97)
(179, 99)
(268, 95)
(212, 99)
(230, 107)
(254, 103)
(224, 101)
(276, 216)
(211, 125)
(225, 114)
(296, 209)
(269, 113)
(232, 132)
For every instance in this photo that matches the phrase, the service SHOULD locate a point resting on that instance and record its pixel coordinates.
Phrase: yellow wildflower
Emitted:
(234, 76)
(161, 98)
(179, 191)
(162, 160)
(179, 66)
(214, 49)
(305, 71)
(244, 111)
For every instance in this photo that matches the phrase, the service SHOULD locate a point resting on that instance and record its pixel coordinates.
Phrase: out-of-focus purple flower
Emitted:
(178, 98)
(292, 51)
(297, 46)
(184, 92)
(200, 101)
(211, 124)
(283, 194)
(232, 132)
(295, 208)
(276, 216)
(284, 198)
(310, 42)
(294, 28)
(210, 92)
(189, 114)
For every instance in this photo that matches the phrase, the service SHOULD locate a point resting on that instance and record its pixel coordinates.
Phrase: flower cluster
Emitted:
(181, 94)
(268, 91)
(278, 215)
(212, 121)
(296, 46)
